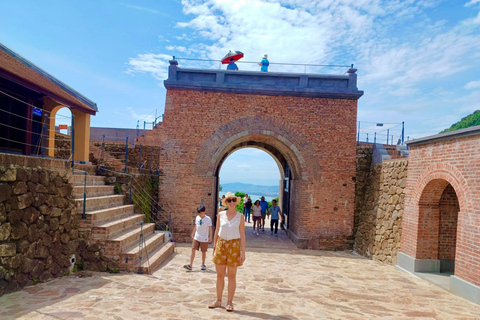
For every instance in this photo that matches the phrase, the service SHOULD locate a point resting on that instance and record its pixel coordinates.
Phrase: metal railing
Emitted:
(382, 133)
(273, 66)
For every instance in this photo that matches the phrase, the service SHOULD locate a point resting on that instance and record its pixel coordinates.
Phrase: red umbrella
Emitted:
(236, 55)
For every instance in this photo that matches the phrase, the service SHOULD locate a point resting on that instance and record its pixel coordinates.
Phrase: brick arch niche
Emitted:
(441, 219)
(306, 122)
(438, 210)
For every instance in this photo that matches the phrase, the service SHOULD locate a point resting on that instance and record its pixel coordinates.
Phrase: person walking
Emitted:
(247, 209)
(257, 216)
(276, 213)
(202, 236)
(228, 249)
(264, 210)
(264, 63)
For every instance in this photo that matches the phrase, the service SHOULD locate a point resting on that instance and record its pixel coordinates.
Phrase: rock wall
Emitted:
(150, 155)
(379, 203)
(63, 145)
(38, 225)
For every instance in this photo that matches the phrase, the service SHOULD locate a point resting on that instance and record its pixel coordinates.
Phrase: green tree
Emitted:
(468, 121)
(220, 188)
(240, 205)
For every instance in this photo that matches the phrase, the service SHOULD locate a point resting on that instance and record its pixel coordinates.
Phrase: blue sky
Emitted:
(418, 61)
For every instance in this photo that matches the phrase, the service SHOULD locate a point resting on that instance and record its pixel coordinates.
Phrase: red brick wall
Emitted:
(432, 167)
(447, 234)
(315, 136)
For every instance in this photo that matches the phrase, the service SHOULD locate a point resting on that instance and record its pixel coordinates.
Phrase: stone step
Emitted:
(156, 258)
(116, 245)
(93, 191)
(109, 229)
(130, 257)
(106, 215)
(79, 180)
(97, 203)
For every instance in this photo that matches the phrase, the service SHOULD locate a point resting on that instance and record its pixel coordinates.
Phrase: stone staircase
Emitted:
(116, 227)
(109, 161)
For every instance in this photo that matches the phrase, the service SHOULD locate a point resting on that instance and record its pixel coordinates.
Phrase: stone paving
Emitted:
(277, 281)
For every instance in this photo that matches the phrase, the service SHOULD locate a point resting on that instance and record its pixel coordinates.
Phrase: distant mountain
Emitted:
(268, 191)
(468, 121)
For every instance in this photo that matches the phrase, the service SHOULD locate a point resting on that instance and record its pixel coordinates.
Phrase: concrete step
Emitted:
(106, 215)
(116, 245)
(97, 203)
(130, 257)
(156, 258)
(93, 191)
(109, 229)
(79, 180)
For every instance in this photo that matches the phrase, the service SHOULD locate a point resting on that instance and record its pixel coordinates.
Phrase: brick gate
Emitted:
(306, 122)
(441, 221)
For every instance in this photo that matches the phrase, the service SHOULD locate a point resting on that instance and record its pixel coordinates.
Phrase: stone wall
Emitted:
(38, 226)
(63, 146)
(379, 207)
(149, 155)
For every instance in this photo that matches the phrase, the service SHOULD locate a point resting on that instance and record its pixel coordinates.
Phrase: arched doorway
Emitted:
(254, 165)
(437, 224)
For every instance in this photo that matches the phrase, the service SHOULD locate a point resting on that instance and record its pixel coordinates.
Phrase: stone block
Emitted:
(5, 230)
(16, 261)
(19, 187)
(8, 249)
(5, 191)
(25, 200)
(3, 213)
(19, 231)
(32, 233)
(8, 174)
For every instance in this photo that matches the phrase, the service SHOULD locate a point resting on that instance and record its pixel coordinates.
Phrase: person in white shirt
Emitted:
(228, 249)
(202, 236)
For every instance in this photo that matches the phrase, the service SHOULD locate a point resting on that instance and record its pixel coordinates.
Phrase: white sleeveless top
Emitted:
(229, 229)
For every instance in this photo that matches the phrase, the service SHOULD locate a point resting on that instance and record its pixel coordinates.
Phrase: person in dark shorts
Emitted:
(247, 208)
(257, 216)
(202, 236)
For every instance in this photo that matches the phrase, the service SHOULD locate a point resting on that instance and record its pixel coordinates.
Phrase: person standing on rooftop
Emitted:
(264, 63)
(232, 65)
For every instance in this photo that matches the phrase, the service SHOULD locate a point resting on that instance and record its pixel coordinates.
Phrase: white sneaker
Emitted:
(258, 234)
(253, 231)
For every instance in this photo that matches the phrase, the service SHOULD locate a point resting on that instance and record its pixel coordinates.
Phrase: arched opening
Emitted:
(437, 224)
(63, 132)
(276, 173)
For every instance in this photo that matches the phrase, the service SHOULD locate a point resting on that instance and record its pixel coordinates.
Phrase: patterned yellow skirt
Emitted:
(227, 252)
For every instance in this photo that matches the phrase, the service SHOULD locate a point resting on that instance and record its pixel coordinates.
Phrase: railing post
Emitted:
(84, 196)
(126, 154)
(73, 140)
(103, 149)
(45, 136)
(358, 134)
(403, 131)
(375, 138)
(388, 134)
(151, 159)
(140, 158)
(367, 136)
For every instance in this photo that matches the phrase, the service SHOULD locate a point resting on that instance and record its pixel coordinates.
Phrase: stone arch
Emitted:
(51, 129)
(272, 136)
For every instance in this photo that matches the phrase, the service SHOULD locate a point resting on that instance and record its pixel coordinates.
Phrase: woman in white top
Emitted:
(228, 249)
(257, 216)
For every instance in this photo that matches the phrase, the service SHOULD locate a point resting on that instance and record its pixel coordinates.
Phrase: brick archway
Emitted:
(422, 204)
(280, 141)
(307, 121)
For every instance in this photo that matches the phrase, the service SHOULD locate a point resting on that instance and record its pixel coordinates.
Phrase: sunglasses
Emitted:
(231, 200)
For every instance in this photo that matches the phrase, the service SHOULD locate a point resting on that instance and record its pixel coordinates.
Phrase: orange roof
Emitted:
(18, 69)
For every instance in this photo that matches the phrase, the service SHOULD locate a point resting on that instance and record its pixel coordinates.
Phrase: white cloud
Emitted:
(472, 84)
(154, 64)
(472, 2)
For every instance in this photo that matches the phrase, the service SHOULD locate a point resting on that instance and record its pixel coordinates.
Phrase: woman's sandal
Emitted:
(229, 307)
(215, 304)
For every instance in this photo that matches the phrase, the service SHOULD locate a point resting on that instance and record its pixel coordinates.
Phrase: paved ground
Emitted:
(276, 282)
